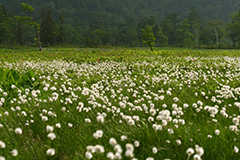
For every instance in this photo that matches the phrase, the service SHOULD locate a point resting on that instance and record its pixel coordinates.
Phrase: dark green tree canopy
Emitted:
(105, 22)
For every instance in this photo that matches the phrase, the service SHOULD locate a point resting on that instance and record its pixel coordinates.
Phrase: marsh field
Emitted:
(76, 104)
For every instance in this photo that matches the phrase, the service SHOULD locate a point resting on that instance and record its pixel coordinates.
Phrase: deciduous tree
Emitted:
(218, 28)
(195, 22)
(233, 27)
(29, 20)
(148, 37)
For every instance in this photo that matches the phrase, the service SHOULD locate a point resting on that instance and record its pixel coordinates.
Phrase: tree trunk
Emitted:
(197, 39)
(38, 37)
(195, 31)
(150, 46)
(216, 33)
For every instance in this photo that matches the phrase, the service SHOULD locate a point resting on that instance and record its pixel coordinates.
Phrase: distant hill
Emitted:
(119, 22)
(83, 11)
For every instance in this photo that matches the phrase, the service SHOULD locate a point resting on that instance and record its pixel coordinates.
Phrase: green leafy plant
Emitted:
(29, 20)
(148, 37)
(9, 77)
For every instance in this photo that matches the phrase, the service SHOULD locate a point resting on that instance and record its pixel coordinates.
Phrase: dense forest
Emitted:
(92, 23)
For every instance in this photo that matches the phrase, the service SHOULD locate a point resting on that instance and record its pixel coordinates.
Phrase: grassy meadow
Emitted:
(76, 104)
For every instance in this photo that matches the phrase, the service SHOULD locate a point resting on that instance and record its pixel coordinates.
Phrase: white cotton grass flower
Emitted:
(131, 122)
(185, 105)
(5, 94)
(136, 143)
(50, 152)
(70, 125)
(136, 118)
(49, 128)
(236, 150)
(235, 121)
(190, 151)
(118, 156)
(152, 111)
(95, 135)
(178, 141)
(233, 128)
(217, 132)
(150, 119)
(170, 131)
(130, 147)
(98, 134)
(14, 152)
(6, 113)
(118, 148)
(2, 158)
(112, 142)
(197, 157)
(199, 150)
(44, 118)
(164, 122)
(18, 131)
(110, 155)
(87, 120)
(154, 150)
(2, 144)
(209, 136)
(63, 109)
(52, 136)
(150, 158)
(99, 149)
(129, 153)
(100, 118)
(123, 138)
(91, 149)
(58, 125)
(88, 155)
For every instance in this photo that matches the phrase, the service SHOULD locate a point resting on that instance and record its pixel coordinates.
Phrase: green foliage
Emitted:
(169, 26)
(61, 30)
(161, 39)
(26, 19)
(27, 7)
(48, 32)
(217, 27)
(6, 27)
(233, 27)
(29, 20)
(195, 22)
(148, 36)
(97, 36)
(74, 23)
(184, 36)
(9, 77)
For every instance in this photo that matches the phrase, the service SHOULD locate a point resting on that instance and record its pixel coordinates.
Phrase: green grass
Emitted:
(133, 76)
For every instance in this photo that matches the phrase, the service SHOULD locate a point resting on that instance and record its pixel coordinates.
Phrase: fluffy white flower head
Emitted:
(52, 136)
(190, 151)
(51, 152)
(2, 144)
(14, 152)
(49, 128)
(18, 131)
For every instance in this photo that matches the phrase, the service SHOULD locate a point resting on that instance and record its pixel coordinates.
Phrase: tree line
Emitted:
(192, 31)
